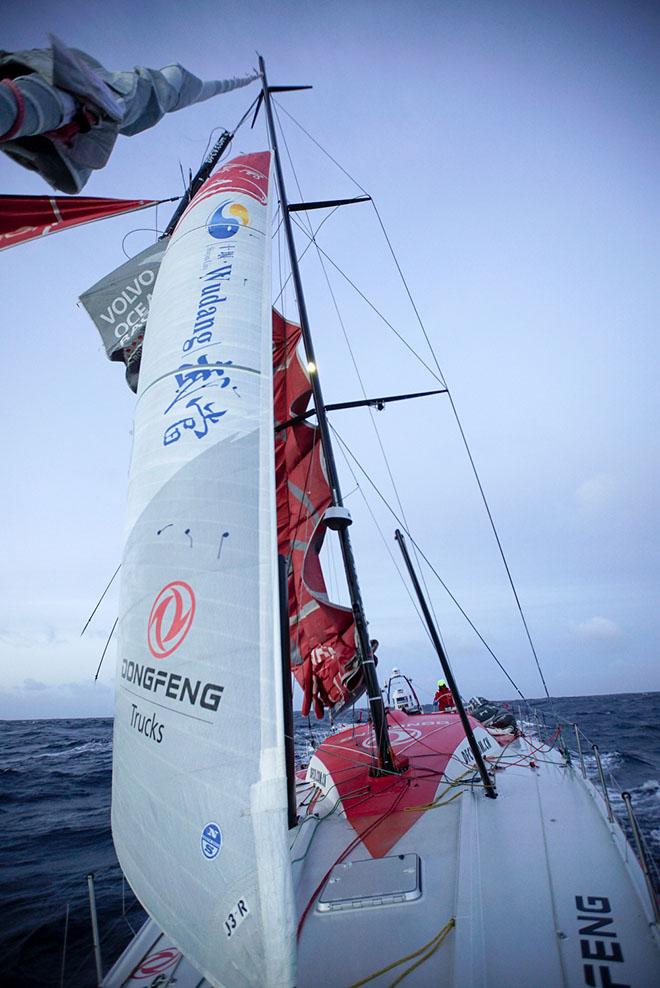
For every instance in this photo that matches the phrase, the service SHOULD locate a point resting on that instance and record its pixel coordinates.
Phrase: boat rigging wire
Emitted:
(186, 185)
(371, 305)
(342, 324)
(309, 688)
(427, 561)
(66, 934)
(365, 658)
(98, 604)
(451, 402)
(385, 541)
(112, 631)
(300, 506)
(387, 545)
(143, 229)
(499, 544)
(214, 130)
(304, 251)
(233, 132)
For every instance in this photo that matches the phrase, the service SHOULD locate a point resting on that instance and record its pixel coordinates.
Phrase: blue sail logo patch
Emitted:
(211, 841)
(225, 221)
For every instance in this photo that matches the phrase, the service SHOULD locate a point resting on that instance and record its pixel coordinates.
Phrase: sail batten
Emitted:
(199, 790)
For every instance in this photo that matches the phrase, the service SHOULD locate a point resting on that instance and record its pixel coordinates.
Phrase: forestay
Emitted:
(199, 785)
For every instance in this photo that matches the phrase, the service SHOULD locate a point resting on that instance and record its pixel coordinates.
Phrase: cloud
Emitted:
(88, 687)
(34, 684)
(598, 629)
(40, 636)
(596, 492)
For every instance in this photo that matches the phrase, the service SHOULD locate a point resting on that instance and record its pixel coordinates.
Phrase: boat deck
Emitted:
(424, 876)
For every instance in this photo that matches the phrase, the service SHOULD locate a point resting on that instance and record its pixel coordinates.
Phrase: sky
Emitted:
(512, 150)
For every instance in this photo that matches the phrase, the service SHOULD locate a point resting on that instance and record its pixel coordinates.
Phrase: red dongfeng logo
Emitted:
(156, 963)
(170, 618)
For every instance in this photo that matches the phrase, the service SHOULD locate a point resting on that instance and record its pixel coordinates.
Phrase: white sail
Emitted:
(199, 782)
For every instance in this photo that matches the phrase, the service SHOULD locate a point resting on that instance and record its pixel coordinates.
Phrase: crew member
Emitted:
(443, 696)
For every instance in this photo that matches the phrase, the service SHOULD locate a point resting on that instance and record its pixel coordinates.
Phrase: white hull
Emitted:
(535, 888)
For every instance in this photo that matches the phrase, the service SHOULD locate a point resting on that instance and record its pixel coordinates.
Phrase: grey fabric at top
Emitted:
(61, 110)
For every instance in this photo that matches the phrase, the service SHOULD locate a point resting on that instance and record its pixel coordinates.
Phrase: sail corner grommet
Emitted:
(337, 518)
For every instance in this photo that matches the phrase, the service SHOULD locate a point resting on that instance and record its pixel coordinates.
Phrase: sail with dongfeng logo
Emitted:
(199, 790)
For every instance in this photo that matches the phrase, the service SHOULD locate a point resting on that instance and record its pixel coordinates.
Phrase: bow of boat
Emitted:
(421, 875)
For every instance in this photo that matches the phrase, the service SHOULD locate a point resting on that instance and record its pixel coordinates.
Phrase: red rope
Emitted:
(524, 759)
(344, 854)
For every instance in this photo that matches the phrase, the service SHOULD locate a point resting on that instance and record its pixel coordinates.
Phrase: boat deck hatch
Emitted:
(371, 882)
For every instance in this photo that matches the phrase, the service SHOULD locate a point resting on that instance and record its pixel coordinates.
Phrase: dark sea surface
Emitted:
(55, 778)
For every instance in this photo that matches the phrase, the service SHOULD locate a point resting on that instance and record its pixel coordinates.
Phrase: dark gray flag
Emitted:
(119, 304)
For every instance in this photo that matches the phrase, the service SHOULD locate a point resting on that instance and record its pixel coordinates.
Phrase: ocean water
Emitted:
(55, 778)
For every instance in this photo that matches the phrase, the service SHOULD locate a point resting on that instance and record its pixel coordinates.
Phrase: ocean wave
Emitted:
(8, 773)
(97, 744)
(25, 761)
(610, 760)
(645, 801)
(652, 787)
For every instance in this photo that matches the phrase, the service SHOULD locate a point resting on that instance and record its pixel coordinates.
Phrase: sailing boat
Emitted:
(414, 847)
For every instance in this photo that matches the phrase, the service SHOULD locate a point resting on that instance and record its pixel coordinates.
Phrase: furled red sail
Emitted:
(324, 656)
(28, 217)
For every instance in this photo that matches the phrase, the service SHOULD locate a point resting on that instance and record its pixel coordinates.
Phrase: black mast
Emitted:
(287, 692)
(446, 668)
(374, 695)
(198, 180)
